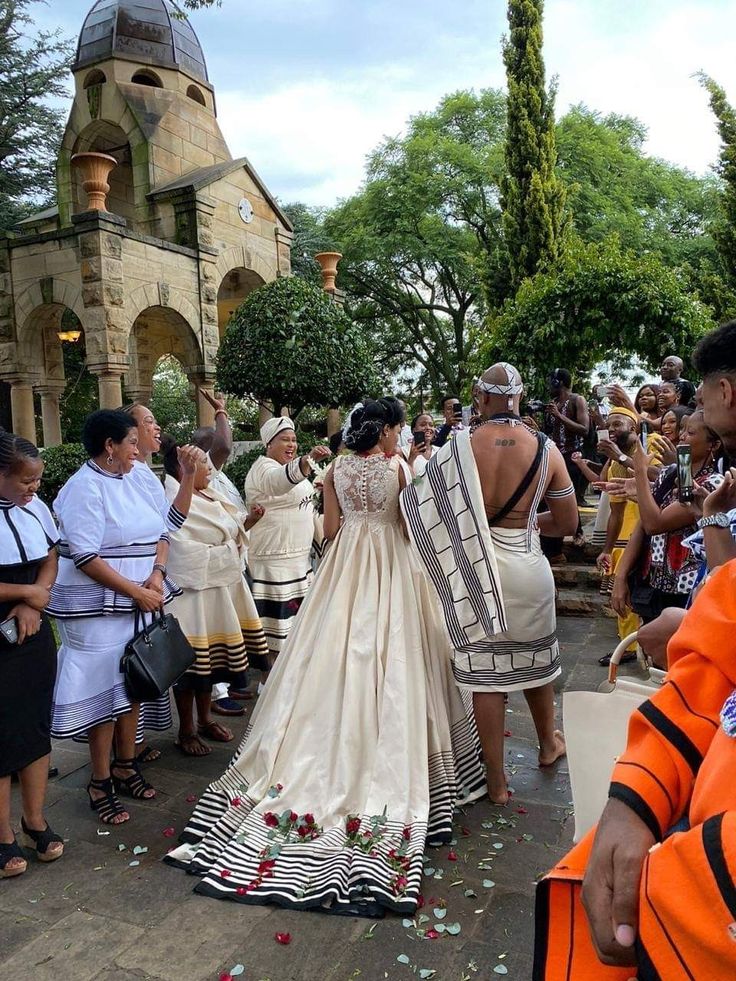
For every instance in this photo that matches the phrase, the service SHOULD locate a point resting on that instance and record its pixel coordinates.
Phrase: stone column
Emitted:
(334, 423)
(205, 412)
(110, 388)
(51, 416)
(21, 405)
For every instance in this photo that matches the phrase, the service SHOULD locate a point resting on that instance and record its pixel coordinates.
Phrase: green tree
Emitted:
(533, 198)
(33, 68)
(310, 237)
(598, 303)
(288, 343)
(724, 227)
(171, 400)
(420, 238)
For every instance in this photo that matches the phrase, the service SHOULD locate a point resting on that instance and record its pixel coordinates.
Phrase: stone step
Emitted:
(576, 575)
(578, 602)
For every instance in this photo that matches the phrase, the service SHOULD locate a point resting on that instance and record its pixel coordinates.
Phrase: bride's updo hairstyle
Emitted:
(365, 423)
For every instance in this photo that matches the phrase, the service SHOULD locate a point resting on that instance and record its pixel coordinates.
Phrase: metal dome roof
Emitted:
(153, 32)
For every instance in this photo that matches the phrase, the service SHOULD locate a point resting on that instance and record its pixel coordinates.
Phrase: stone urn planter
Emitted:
(94, 169)
(328, 262)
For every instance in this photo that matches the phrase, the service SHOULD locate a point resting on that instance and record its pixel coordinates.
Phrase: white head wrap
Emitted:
(513, 385)
(272, 427)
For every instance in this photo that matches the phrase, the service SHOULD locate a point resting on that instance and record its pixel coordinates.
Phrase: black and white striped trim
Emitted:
(557, 495)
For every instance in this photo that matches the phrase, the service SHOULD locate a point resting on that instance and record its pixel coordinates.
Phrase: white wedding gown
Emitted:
(360, 746)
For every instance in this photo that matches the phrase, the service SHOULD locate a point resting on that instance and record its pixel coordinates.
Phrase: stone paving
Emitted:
(104, 912)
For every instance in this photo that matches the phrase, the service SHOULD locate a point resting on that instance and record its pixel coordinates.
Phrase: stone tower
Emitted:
(187, 232)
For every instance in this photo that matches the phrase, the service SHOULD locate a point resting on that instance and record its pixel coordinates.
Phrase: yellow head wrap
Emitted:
(622, 410)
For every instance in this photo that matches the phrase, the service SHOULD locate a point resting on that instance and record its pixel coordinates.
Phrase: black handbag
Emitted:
(156, 657)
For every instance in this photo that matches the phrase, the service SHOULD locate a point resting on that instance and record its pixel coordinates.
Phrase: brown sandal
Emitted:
(184, 744)
(217, 733)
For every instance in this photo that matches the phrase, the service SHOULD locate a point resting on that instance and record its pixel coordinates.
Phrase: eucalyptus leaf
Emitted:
(403, 959)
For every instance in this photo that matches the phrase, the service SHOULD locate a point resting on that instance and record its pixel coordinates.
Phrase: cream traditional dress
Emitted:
(280, 544)
(215, 610)
(359, 747)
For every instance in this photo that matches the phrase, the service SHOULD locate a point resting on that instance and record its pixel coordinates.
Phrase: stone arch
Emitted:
(159, 295)
(158, 330)
(102, 136)
(95, 77)
(238, 272)
(44, 292)
(145, 76)
(196, 94)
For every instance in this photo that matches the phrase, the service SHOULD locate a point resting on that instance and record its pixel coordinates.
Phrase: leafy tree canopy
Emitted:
(413, 238)
(309, 238)
(600, 302)
(288, 343)
(34, 67)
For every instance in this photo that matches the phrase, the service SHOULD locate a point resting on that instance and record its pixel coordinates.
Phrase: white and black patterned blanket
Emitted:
(447, 526)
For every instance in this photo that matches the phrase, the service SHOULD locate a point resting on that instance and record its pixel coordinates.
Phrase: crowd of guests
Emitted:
(120, 544)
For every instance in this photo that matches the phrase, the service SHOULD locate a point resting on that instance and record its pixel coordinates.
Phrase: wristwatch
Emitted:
(719, 520)
(158, 567)
(622, 458)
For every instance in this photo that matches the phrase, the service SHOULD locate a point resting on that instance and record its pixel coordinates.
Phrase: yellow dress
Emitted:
(628, 624)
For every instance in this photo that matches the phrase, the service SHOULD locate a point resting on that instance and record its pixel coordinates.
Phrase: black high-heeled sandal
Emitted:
(9, 851)
(135, 784)
(39, 841)
(108, 807)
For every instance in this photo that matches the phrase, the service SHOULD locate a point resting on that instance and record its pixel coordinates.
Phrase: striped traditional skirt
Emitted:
(279, 585)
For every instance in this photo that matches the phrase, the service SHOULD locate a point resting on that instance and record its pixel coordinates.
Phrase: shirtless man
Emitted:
(518, 468)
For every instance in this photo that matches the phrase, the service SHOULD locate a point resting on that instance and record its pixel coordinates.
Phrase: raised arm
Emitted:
(222, 443)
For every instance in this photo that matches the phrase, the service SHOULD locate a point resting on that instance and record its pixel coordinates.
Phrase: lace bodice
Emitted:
(367, 488)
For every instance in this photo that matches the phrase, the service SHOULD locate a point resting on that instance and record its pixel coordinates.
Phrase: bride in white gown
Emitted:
(360, 747)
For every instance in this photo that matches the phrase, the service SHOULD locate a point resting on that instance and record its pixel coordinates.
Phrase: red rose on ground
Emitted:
(169, 832)
(282, 938)
(420, 901)
(309, 818)
(271, 819)
(521, 810)
(225, 976)
(452, 856)
(431, 934)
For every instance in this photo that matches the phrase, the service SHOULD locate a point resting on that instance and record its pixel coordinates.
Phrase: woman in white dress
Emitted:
(215, 610)
(112, 563)
(360, 746)
(279, 547)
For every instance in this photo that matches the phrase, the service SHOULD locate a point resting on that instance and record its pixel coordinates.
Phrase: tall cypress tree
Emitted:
(533, 197)
(724, 231)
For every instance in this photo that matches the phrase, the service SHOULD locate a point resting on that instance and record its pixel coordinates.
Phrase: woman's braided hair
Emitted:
(14, 449)
(365, 423)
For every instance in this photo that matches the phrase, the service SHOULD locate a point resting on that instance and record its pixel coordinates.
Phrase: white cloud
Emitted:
(643, 66)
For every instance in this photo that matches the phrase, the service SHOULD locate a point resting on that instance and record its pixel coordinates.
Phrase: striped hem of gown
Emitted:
(226, 843)
(72, 721)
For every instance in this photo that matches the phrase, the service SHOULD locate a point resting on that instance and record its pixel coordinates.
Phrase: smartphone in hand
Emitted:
(684, 475)
(420, 438)
(457, 410)
(9, 630)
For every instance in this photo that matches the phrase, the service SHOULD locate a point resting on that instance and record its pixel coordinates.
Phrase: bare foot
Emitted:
(556, 753)
(498, 792)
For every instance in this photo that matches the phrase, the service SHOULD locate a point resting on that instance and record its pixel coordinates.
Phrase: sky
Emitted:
(307, 88)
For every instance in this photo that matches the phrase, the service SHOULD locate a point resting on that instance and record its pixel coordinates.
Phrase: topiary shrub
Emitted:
(290, 344)
(60, 462)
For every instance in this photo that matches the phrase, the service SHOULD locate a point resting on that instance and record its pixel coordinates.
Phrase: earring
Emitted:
(109, 459)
